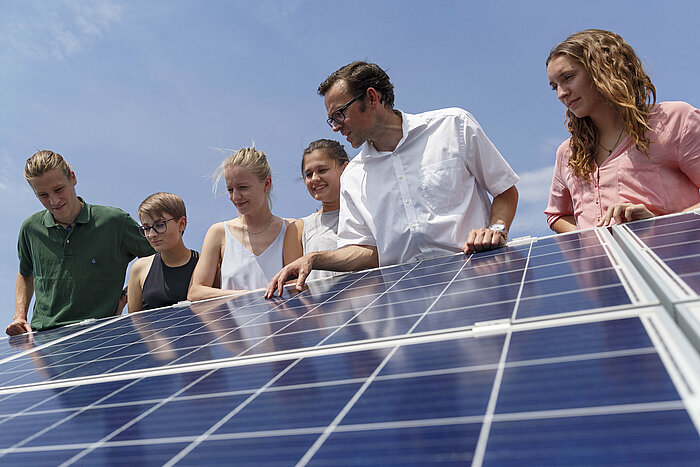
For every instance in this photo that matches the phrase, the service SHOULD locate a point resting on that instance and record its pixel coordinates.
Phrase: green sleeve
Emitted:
(132, 241)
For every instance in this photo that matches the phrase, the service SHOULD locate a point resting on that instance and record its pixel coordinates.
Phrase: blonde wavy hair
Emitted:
(619, 77)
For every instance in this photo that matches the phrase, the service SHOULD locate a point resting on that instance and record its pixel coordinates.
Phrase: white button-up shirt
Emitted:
(421, 200)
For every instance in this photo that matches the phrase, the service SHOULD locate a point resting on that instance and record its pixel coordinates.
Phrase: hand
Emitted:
(18, 326)
(483, 239)
(624, 212)
(300, 268)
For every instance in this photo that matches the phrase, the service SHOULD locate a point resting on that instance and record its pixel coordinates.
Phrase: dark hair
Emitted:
(334, 149)
(361, 76)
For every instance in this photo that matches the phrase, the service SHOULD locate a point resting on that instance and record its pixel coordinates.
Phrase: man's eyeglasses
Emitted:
(159, 226)
(338, 116)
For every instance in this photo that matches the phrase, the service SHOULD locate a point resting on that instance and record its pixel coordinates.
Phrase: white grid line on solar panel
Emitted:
(521, 415)
(446, 421)
(120, 349)
(4, 417)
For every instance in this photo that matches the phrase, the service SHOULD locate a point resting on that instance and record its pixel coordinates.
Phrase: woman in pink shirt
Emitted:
(627, 158)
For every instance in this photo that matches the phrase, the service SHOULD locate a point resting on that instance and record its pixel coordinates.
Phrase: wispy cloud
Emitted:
(55, 30)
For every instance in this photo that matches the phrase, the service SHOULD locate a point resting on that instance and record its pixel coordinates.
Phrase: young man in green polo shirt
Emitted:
(72, 255)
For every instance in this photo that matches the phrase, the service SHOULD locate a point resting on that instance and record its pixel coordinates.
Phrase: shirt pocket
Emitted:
(639, 181)
(444, 185)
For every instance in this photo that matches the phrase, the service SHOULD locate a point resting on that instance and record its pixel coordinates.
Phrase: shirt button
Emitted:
(407, 201)
(93, 261)
(68, 241)
(422, 245)
(401, 177)
(393, 154)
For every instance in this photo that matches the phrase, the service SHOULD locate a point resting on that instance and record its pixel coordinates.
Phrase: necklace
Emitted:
(269, 223)
(619, 137)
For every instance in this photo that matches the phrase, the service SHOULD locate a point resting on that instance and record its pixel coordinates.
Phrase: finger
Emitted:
(270, 291)
(283, 275)
(618, 214)
(301, 280)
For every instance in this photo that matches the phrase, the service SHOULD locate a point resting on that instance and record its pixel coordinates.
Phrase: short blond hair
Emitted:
(162, 202)
(44, 161)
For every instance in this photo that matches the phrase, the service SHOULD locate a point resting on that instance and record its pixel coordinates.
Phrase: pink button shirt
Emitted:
(665, 182)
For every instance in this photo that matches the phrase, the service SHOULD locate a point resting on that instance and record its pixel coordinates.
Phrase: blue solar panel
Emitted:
(675, 240)
(425, 402)
(536, 353)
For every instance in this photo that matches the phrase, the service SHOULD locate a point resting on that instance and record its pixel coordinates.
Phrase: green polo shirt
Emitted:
(78, 273)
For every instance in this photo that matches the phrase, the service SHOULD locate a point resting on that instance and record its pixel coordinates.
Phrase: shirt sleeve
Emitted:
(26, 265)
(689, 148)
(484, 161)
(133, 243)
(354, 225)
(560, 203)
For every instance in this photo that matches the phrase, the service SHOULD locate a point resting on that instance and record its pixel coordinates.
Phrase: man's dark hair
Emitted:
(361, 76)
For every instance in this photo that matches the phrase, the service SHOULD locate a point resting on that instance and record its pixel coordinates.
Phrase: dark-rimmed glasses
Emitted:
(338, 116)
(159, 226)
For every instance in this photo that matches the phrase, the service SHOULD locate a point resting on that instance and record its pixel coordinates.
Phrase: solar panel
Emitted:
(551, 350)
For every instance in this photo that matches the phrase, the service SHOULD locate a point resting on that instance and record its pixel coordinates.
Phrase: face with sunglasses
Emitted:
(163, 231)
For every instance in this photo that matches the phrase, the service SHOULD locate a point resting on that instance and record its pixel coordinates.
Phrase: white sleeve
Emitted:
(484, 161)
(355, 222)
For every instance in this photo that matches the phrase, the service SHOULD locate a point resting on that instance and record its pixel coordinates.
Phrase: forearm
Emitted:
(203, 292)
(349, 258)
(692, 208)
(564, 224)
(503, 207)
(24, 289)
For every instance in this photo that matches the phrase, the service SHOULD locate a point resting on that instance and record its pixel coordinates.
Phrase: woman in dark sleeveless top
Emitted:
(164, 278)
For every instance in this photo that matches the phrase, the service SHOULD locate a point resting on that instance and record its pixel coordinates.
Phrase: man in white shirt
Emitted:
(419, 187)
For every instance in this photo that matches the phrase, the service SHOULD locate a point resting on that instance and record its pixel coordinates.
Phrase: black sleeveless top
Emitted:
(165, 286)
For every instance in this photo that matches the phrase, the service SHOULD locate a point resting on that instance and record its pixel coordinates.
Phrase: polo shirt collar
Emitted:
(409, 122)
(83, 216)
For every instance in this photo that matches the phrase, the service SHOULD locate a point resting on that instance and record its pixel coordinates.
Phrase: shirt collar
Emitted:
(409, 122)
(83, 216)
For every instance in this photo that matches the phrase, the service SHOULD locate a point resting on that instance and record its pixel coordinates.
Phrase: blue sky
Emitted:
(138, 95)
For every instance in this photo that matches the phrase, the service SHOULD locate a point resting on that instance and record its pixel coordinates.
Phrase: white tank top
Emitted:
(242, 270)
(320, 234)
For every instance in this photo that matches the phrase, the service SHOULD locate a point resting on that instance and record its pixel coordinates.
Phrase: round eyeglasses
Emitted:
(159, 227)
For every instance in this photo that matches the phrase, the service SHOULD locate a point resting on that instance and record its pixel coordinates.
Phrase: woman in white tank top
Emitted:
(321, 166)
(246, 252)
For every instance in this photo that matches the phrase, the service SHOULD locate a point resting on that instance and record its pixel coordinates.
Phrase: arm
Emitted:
(24, 289)
(293, 248)
(349, 258)
(564, 224)
(502, 212)
(208, 266)
(136, 279)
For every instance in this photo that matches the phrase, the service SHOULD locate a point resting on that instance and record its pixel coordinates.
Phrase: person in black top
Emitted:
(162, 279)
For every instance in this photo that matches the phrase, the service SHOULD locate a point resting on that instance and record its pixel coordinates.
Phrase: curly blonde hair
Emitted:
(619, 77)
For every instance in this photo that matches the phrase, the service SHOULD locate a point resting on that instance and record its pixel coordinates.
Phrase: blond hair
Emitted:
(250, 158)
(161, 202)
(618, 75)
(44, 161)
